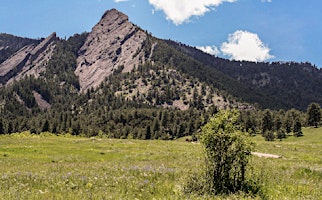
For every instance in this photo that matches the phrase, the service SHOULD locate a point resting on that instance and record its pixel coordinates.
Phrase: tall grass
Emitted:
(64, 167)
(298, 174)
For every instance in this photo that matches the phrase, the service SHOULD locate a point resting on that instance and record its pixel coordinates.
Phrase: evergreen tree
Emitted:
(269, 135)
(148, 133)
(164, 119)
(278, 123)
(281, 134)
(10, 127)
(1, 127)
(267, 121)
(54, 128)
(45, 127)
(288, 122)
(314, 114)
(297, 128)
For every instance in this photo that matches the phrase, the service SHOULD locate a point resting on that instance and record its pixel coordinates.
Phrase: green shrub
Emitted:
(227, 153)
(269, 135)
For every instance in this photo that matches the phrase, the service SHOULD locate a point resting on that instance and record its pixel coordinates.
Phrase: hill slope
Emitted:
(277, 85)
(121, 81)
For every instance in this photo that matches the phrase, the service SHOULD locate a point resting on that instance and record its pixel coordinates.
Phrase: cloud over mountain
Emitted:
(243, 45)
(213, 50)
(180, 11)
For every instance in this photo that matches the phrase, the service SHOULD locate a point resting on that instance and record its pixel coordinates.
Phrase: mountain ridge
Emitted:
(121, 81)
(266, 79)
(116, 43)
(30, 60)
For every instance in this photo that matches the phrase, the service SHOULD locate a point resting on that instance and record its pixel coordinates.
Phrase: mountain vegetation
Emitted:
(160, 90)
(105, 110)
(276, 85)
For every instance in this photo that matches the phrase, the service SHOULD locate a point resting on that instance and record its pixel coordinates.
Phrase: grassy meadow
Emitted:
(65, 167)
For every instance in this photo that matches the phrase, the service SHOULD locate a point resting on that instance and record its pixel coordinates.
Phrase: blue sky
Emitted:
(255, 30)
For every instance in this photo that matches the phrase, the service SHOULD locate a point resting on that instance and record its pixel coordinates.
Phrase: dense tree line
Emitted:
(102, 112)
(280, 124)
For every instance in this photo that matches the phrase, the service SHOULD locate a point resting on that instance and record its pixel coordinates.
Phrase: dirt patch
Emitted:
(266, 155)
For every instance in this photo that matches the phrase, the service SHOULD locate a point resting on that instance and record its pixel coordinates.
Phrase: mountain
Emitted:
(9, 44)
(277, 85)
(113, 42)
(121, 81)
(29, 60)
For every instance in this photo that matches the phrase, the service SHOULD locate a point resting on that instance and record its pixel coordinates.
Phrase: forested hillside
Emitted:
(97, 83)
(277, 85)
(109, 109)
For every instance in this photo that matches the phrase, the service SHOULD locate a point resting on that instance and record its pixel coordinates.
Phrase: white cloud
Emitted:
(213, 50)
(243, 45)
(268, 1)
(179, 11)
(117, 1)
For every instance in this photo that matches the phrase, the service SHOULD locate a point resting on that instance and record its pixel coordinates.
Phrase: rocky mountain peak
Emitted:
(112, 16)
(114, 42)
(29, 60)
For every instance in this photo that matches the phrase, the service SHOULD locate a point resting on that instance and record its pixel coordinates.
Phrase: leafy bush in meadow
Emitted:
(227, 153)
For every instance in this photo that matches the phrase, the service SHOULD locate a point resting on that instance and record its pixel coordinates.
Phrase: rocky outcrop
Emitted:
(43, 46)
(41, 102)
(114, 42)
(15, 63)
(30, 60)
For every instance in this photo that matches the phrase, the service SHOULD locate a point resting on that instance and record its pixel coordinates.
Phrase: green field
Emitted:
(65, 167)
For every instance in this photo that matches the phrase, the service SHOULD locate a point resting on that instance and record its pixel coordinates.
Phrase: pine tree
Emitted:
(155, 128)
(297, 128)
(267, 121)
(280, 134)
(288, 123)
(148, 133)
(10, 128)
(164, 118)
(1, 127)
(314, 114)
(45, 127)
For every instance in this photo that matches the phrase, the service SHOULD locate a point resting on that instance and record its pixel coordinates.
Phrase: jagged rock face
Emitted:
(30, 60)
(113, 42)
